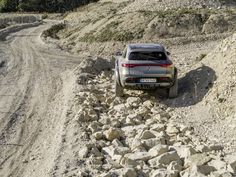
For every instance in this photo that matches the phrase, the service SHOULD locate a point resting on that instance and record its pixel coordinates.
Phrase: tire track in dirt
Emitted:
(30, 131)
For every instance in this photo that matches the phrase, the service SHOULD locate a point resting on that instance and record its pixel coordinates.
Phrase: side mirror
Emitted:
(168, 53)
(118, 53)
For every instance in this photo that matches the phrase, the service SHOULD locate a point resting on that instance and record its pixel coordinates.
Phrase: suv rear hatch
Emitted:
(147, 64)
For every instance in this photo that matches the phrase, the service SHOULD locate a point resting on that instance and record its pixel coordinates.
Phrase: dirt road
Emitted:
(32, 102)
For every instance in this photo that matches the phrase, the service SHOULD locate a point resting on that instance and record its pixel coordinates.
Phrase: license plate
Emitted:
(146, 80)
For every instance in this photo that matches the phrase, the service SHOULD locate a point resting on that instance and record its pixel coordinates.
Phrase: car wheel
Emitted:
(119, 90)
(173, 91)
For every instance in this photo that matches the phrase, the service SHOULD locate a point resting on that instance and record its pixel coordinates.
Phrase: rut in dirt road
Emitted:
(32, 103)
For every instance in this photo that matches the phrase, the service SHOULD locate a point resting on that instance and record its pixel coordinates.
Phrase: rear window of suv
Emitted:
(147, 56)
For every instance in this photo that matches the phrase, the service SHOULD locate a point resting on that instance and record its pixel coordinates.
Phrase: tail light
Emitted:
(164, 78)
(128, 65)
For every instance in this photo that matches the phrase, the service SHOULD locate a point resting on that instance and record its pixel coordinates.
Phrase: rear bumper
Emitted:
(147, 85)
(136, 84)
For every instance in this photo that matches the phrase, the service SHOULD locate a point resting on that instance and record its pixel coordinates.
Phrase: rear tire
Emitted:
(173, 91)
(119, 90)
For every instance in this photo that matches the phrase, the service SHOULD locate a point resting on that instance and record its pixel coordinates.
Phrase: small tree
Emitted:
(8, 5)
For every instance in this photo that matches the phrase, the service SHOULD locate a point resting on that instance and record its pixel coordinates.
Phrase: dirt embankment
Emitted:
(108, 25)
(7, 20)
(13, 23)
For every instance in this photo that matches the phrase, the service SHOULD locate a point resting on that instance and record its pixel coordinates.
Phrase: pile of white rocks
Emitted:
(135, 136)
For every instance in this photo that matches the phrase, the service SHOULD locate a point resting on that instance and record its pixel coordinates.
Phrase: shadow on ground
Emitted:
(193, 87)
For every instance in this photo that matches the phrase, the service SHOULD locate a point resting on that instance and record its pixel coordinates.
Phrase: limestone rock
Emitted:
(218, 164)
(164, 159)
(216, 148)
(175, 166)
(158, 127)
(197, 159)
(97, 161)
(150, 143)
(136, 143)
(148, 104)
(123, 150)
(185, 151)
(94, 127)
(110, 150)
(112, 134)
(203, 169)
(117, 143)
(127, 162)
(83, 152)
(159, 173)
(158, 150)
(87, 115)
(95, 152)
(203, 148)
(189, 173)
(128, 172)
(231, 161)
(172, 129)
(133, 102)
(197, 170)
(120, 108)
(221, 174)
(183, 128)
(98, 135)
(144, 156)
(147, 134)
(134, 119)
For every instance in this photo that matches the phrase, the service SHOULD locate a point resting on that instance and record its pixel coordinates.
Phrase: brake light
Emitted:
(165, 65)
(128, 65)
(164, 78)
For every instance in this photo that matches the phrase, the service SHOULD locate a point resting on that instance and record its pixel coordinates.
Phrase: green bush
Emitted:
(41, 5)
(53, 31)
(8, 5)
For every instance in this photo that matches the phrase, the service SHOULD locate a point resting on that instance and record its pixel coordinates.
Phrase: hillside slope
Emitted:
(59, 115)
(105, 26)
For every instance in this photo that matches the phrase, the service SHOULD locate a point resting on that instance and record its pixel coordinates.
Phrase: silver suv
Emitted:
(145, 66)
